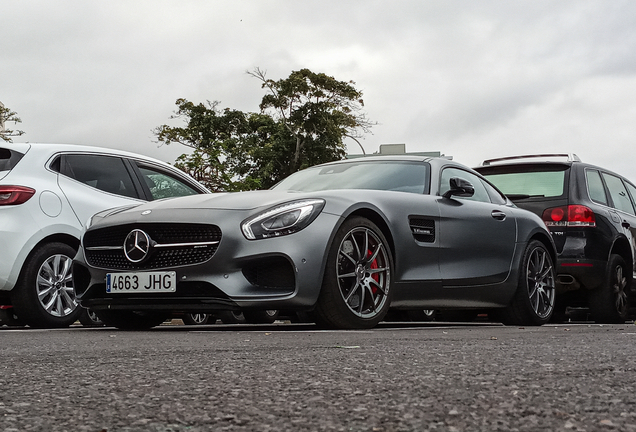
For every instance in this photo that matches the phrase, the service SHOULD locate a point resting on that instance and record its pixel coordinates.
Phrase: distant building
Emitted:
(398, 149)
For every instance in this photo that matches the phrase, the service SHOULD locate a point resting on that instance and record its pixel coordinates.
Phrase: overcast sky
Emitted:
(473, 79)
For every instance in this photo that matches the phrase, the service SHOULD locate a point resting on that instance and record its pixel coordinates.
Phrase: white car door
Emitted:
(94, 182)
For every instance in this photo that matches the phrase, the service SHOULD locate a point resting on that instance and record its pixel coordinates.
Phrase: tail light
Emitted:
(569, 216)
(14, 195)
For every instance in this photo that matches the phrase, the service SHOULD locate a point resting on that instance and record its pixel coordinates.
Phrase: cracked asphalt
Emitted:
(426, 377)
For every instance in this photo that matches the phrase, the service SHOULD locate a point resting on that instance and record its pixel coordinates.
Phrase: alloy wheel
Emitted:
(54, 285)
(618, 288)
(541, 286)
(363, 272)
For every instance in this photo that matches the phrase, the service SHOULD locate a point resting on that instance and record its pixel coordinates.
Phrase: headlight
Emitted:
(282, 220)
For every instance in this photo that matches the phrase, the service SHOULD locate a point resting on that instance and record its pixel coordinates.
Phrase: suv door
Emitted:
(624, 214)
(476, 237)
(93, 182)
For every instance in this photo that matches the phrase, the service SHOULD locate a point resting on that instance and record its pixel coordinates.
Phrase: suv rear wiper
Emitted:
(513, 197)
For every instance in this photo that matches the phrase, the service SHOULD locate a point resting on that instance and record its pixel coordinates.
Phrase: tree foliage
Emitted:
(303, 120)
(6, 116)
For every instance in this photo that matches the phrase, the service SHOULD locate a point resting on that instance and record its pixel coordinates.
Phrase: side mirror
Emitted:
(459, 187)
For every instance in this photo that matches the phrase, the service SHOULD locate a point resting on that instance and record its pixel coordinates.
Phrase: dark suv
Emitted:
(591, 214)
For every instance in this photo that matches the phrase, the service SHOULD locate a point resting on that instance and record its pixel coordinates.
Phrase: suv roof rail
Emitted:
(571, 157)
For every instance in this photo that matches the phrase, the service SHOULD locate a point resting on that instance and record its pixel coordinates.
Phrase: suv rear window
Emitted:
(9, 159)
(546, 183)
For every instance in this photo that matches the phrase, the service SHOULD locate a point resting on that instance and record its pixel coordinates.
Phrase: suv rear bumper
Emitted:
(573, 274)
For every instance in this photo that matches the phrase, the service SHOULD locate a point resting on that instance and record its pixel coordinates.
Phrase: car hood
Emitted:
(236, 201)
(225, 201)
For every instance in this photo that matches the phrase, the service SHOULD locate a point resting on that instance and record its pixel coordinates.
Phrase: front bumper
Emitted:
(275, 273)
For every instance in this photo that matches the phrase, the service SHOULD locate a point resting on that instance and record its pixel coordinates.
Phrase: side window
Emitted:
(106, 173)
(632, 191)
(595, 187)
(495, 195)
(618, 193)
(164, 185)
(480, 191)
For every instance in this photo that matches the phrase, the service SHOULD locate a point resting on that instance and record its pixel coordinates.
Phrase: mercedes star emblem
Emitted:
(136, 246)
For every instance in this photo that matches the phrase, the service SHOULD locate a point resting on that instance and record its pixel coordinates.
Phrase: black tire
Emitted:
(609, 303)
(534, 299)
(261, 317)
(44, 295)
(232, 317)
(356, 289)
(196, 318)
(131, 320)
(88, 318)
(9, 318)
(421, 314)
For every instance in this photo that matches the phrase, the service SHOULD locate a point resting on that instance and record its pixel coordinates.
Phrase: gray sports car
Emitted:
(345, 241)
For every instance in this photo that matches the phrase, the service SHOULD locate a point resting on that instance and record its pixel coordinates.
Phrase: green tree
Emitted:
(317, 111)
(6, 115)
(303, 121)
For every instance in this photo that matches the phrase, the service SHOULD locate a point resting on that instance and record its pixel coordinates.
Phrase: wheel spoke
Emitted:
(375, 254)
(352, 292)
(49, 306)
(361, 307)
(378, 286)
(357, 247)
(366, 246)
(372, 304)
(67, 295)
(349, 257)
(44, 287)
(346, 275)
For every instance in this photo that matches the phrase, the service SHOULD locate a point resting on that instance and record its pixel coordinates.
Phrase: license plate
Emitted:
(146, 282)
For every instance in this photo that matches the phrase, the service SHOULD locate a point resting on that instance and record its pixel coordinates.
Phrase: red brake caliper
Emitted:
(375, 276)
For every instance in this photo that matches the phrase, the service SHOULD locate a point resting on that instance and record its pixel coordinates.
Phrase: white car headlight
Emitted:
(282, 220)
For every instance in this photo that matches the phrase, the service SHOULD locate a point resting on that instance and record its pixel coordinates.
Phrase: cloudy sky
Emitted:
(473, 79)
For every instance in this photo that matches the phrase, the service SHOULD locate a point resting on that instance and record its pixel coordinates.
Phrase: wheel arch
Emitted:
(547, 242)
(379, 221)
(53, 238)
(622, 247)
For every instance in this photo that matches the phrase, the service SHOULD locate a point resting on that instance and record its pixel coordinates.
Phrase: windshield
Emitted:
(539, 184)
(378, 175)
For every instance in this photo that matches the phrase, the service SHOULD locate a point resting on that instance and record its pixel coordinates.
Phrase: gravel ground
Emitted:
(295, 378)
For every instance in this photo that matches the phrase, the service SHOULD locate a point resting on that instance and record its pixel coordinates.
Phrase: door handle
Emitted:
(498, 214)
(625, 224)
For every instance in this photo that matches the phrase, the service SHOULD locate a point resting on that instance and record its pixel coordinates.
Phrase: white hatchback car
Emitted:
(47, 193)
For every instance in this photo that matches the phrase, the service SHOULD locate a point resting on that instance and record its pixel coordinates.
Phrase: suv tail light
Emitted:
(569, 216)
(14, 195)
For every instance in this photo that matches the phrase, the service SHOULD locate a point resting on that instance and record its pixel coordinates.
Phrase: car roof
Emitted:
(521, 159)
(48, 149)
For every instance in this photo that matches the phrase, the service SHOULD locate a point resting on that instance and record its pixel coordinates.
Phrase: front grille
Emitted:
(173, 245)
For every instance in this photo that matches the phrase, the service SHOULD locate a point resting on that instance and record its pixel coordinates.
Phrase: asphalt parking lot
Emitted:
(283, 377)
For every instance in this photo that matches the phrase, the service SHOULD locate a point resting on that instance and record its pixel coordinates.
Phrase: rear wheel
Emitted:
(533, 303)
(261, 317)
(609, 302)
(44, 296)
(421, 314)
(232, 317)
(196, 318)
(88, 318)
(131, 320)
(356, 289)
